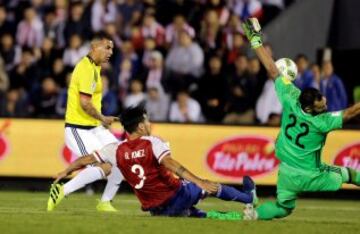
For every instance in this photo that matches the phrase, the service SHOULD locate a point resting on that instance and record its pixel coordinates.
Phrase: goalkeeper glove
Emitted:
(252, 31)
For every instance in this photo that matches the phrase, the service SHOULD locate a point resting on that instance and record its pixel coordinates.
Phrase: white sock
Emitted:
(86, 176)
(112, 185)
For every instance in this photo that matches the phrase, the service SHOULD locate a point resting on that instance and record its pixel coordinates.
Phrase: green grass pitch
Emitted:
(24, 212)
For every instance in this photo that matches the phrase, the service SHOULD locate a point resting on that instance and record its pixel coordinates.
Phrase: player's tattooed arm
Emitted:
(76, 165)
(182, 172)
(87, 106)
(351, 112)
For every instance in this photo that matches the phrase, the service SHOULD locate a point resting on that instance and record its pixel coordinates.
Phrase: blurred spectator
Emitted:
(166, 10)
(268, 107)
(124, 78)
(102, 12)
(6, 26)
(232, 27)
(11, 53)
(246, 8)
(185, 109)
(62, 98)
(30, 31)
(109, 99)
(61, 10)
(240, 101)
(16, 104)
(157, 103)
(149, 47)
(220, 7)
(332, 87)
(53, 28)
(184, 62)
(212, 89)
(154, 75)
(254, 69)
(58, 72)
(77, 23)
(304, 77)
(4, 79)
(136, 95)
(316, 71)
(47, 57)
(4, 85)
(151, 28)
(75, 51)
(52, 36)
(25, 74)
(173, 30)
(130, 12)
(127, 52)
(137, 40)
(111, 30)
(237, 48)
(210, 33)
(44, 101)
(39, 7)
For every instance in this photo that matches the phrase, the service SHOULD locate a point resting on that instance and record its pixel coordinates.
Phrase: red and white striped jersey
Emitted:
(139, 162)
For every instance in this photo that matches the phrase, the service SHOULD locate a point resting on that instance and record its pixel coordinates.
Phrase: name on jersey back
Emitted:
(135, 154)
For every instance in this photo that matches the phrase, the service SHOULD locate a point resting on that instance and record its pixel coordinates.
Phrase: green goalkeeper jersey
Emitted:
(302, 135)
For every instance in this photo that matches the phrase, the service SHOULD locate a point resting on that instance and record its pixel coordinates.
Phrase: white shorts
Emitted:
(85, 141)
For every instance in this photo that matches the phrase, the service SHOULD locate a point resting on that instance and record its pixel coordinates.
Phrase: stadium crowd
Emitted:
(186, 60)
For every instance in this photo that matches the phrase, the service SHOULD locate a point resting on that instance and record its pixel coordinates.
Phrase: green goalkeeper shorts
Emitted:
(292, 181)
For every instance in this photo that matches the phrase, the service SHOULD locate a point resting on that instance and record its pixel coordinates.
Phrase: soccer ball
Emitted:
(287, 68)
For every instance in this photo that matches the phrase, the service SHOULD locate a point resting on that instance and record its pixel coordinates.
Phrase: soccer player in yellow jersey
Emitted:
(85, 126)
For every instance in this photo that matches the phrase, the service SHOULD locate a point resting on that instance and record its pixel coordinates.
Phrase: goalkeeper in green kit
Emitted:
(304, 127)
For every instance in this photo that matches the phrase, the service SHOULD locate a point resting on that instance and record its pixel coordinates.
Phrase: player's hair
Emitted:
(308, 96)
(131, 117)
(100, 36)
(301, 56)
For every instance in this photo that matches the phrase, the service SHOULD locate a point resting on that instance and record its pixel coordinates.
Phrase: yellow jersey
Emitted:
(85, 79)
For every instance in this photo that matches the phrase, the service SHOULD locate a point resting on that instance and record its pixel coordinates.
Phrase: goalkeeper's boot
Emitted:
(56, 195)
(250, 187)
(105, 206)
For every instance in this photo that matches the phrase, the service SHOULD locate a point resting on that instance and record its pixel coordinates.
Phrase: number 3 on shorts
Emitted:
(139, 171)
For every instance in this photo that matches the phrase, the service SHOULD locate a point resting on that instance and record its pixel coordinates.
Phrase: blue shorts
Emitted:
(182, 204)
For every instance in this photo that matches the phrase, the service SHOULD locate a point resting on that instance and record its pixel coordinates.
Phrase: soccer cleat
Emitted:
(250, 186)
(105, 206)
(56, 195)
(250, 212)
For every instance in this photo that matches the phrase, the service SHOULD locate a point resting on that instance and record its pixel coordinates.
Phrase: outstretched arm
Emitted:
(351, 112)
(182, 172)
(252, 31)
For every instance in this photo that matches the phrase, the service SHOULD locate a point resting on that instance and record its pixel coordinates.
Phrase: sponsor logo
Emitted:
(4, 144)
(67, 155)
(4, 147)
(242, 155)
(349, 156)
